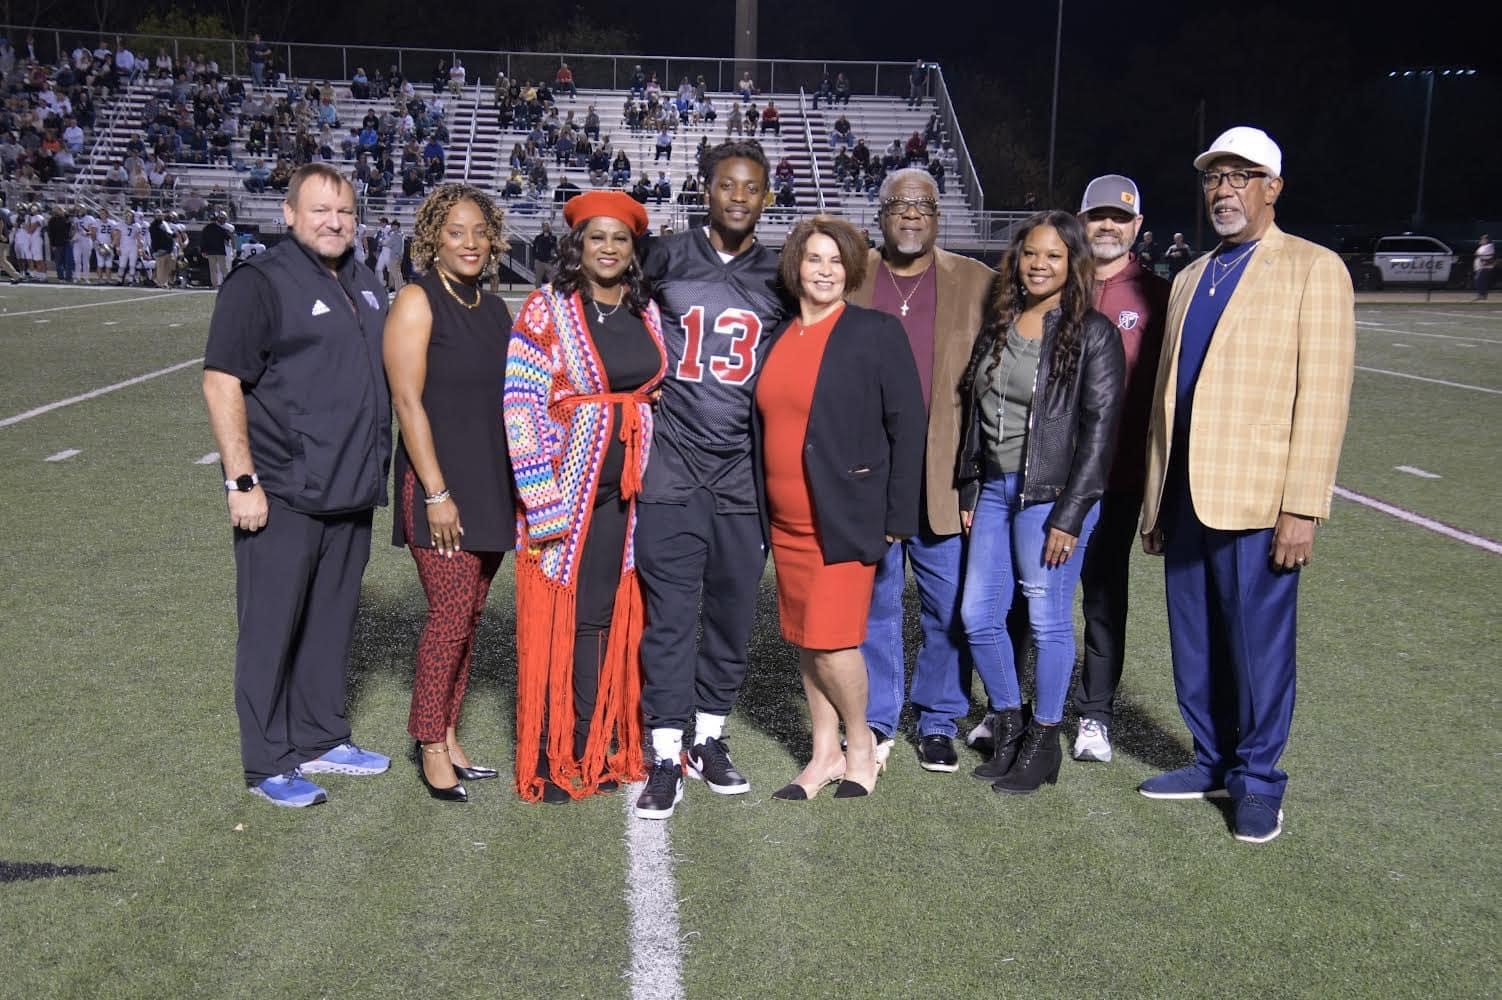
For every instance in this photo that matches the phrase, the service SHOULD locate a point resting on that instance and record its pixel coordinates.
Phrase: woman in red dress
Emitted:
(841, 425)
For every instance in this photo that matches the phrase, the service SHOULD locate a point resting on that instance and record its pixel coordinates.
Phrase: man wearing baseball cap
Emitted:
(1248, 415)
(1135, 299)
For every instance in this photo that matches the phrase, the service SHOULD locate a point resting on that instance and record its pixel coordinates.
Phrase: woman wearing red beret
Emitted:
(585, 355)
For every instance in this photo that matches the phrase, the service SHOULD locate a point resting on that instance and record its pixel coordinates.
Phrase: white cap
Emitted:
(1247, 142)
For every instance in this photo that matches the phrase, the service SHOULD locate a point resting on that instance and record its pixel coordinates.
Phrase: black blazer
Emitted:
(863, 451)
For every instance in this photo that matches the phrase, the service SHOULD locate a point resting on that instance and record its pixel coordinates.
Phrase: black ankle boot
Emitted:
(1007, 730)
(1037, 761)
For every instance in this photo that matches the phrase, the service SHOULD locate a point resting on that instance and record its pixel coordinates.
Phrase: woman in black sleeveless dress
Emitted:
(445, 351)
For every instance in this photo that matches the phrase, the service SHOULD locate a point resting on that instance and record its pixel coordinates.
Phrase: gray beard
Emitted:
(1229, 228)
(1105, 256)
(911, 248)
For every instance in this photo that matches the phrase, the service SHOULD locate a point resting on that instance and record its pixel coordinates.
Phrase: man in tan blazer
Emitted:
(939, 298)
(1248, 416)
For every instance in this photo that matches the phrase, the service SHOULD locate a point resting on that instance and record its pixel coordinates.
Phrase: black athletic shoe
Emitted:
(936, 753)
(710, 763)
(663, 792)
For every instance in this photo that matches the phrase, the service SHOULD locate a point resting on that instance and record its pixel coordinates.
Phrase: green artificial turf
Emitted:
(116, 647)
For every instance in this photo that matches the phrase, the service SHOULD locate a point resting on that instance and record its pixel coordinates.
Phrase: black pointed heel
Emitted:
(475, 773)
(454, 793)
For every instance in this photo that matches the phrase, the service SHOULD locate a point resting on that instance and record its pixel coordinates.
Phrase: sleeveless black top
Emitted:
(462, 397)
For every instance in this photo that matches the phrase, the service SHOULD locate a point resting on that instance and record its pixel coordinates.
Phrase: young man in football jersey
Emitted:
(699, 548)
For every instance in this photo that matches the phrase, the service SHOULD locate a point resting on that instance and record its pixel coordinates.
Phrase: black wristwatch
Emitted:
(242, 484)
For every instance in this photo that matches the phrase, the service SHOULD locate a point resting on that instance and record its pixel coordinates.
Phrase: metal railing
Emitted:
(969, 177)
(813, 156)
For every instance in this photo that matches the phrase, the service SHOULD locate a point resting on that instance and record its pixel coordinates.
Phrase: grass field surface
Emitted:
(116, 640)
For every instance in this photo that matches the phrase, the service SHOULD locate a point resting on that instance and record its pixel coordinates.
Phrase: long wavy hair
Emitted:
(1009, 298)
(427, 230)
(570, 276)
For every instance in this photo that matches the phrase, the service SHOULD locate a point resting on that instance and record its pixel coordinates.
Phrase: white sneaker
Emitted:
(982, 730)
(1093, 742)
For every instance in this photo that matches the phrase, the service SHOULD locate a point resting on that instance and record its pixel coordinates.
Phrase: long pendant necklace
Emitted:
(1220, 272)
(479, 293)
(908, 297)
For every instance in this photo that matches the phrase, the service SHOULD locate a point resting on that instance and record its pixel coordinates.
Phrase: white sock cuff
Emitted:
(708, 727)
(667, 744)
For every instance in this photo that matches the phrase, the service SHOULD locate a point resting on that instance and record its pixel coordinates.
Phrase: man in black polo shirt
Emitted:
(544, 254)
(298, 402)
(215, 241)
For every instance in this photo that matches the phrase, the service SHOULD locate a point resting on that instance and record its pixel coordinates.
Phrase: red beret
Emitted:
(611, 204)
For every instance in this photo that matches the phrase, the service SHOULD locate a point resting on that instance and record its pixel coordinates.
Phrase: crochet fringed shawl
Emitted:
(558, 424)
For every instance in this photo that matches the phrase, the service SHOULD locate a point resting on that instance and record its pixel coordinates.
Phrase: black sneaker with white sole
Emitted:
(936, 753)
(663, 792)
(709, 762)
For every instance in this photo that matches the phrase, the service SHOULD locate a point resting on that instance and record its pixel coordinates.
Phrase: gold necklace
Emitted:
(1224, 270)
(908, 297)
(479, 293)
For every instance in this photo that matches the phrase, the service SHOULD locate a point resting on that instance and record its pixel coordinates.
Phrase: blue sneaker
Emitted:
(291, 790)
(1258, 820)
(346, 758)
(1190, 782)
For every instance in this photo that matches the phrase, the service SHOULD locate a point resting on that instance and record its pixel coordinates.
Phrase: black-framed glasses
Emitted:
(1238, 179)
(926, 207)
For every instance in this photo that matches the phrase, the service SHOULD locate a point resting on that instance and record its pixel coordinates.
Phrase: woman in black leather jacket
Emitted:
(1042, 392)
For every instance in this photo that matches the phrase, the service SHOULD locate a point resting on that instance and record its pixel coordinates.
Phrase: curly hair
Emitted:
(431, 214)
(735, 149)
(1009, 298)
(570, 277)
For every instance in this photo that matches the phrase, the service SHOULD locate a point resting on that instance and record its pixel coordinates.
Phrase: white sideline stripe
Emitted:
(1478, 314)
(90, 305)
(1436, 381)
(92, 393)
(1384, 328)
(63, 455)
(652, 895)
(1423, 522)
(1415, 471)
(208, 459)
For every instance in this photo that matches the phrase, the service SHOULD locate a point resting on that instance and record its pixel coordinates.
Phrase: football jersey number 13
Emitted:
(742, 326)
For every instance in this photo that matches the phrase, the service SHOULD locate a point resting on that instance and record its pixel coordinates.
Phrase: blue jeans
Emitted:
(1006, 547)
(942, 671)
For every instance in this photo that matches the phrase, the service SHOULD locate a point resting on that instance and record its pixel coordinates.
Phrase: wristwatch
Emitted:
(242, 484)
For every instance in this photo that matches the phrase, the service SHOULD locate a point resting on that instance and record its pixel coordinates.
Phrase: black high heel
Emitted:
(454, 793)
(475, 773)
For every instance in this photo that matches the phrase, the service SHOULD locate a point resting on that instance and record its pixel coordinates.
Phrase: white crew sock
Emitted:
(708, 727)
(667, 744)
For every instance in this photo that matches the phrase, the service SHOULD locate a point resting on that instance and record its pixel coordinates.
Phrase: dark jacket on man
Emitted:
(1070, 427)
(863, 450)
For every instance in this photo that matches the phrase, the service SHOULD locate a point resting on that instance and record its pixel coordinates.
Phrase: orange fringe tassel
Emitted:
(545, 680)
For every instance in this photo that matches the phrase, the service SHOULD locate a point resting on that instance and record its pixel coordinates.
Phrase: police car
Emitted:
(1406, 259)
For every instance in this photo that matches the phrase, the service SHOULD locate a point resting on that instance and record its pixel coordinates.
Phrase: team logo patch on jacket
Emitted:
(370, 298)
(1127, 319)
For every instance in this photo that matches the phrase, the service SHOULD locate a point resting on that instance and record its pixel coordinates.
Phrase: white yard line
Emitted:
(1366, 327)
(91, 394)
(1415, 471)
(1436, 381)
(91, 305)
(1437, 527)
(63, 455)
(1478, 314)
(652, 895)
(208, 459)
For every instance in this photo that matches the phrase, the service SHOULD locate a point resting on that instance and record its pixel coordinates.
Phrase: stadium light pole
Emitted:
(1428, 73)
(1053, 118)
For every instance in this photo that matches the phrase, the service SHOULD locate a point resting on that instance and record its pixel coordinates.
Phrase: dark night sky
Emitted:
(1314, 74)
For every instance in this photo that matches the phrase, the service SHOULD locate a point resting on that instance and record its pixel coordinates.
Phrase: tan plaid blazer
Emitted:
(963, 286)
(1271, 401)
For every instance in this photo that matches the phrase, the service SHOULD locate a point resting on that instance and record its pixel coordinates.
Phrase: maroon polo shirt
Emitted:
(1136, 300)
(922, 296)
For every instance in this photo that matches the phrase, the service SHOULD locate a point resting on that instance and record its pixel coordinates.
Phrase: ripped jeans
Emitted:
(1006, 547)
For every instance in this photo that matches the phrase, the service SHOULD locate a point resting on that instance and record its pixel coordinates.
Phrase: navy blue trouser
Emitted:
(688, 555)
(297, 589)
(1232, 626)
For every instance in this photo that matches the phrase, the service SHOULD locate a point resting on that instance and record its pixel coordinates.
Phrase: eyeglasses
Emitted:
(1238, 178)
(925, 207)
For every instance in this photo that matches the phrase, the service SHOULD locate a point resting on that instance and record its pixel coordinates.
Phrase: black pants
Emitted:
(685, 554)
(1103, 580)
(599, 578)
(297, 585)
